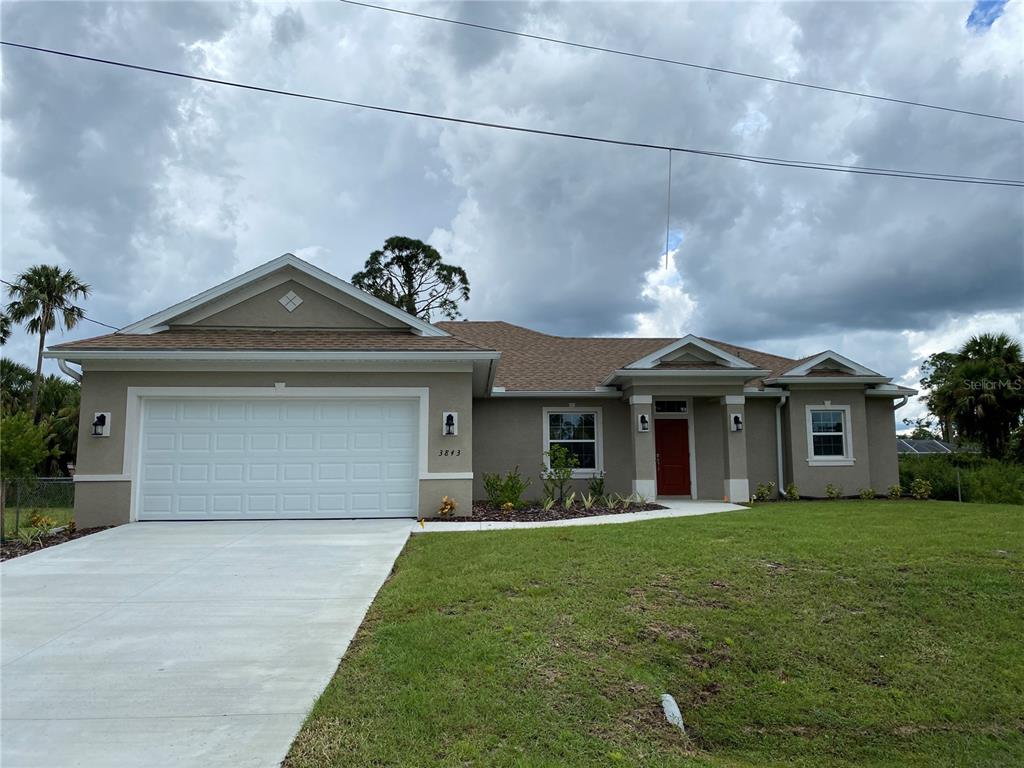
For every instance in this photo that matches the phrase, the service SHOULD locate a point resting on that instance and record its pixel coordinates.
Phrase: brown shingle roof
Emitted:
(537, 361)
(217, 339)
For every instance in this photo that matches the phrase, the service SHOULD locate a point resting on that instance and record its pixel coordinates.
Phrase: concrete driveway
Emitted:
(181, 644)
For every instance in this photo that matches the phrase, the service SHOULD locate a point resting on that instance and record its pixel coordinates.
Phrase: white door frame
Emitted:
(133, 416)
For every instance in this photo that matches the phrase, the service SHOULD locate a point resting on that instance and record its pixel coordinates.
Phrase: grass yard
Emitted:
(14, 520)
(807, 634)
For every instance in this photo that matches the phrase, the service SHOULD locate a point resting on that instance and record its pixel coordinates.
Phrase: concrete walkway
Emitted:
(181, 644)
(674, 508)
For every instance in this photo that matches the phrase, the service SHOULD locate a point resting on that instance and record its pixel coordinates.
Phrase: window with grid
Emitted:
(576, 432)
(828, 433)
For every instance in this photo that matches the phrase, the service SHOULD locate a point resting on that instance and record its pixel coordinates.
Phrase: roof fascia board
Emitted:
(146, 325)
(727, 373)
(872, 379)
(652, 359)
(556, 393)
(804, 368)
(276, 354)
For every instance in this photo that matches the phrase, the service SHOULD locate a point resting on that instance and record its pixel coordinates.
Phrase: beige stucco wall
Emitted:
(885, 470)
(510, 432)
(107, 391)
(315, 311)
(762, 445)
(709, 447)
(811, 480)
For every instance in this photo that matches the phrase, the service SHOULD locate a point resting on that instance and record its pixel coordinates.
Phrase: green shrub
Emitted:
(867, 493)
(981, 480)
(895, 492)
(920, 489)
(792, 492)
(505, 490)
(833, 492)
(595, 486)
(764, 491)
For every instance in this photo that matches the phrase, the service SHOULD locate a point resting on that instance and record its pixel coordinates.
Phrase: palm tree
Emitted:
(5, 328)
(40, 298)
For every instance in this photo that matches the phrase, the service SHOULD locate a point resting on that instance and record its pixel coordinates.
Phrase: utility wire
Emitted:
(65, 306)
(761, 160)
(691, 65)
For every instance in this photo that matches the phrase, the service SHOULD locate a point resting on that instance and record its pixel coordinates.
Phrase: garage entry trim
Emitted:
(133, 414)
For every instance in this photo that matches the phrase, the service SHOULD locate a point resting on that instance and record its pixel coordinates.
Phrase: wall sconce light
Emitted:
(737, 423)
(450, 424)
(643, 423)
(101, 425)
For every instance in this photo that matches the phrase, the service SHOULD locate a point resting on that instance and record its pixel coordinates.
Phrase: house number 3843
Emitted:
(450, 452)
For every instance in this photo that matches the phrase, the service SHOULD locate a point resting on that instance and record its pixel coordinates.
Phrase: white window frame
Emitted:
(598, 437)
(847, 458)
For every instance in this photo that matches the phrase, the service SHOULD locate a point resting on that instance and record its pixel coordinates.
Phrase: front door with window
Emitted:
(672, 454)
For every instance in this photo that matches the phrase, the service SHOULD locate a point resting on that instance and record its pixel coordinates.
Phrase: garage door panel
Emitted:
(210, 458)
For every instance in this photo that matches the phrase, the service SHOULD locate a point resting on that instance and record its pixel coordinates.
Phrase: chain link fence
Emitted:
(24, 500)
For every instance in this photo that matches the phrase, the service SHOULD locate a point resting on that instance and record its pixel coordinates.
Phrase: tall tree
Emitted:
(41, 298)
(5, 327)
(936, 374)
(980, 390)
(15, 386)
(410, 275)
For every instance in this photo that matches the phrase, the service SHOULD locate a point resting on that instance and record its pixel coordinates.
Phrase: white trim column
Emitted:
(734, 441)
(645, 480)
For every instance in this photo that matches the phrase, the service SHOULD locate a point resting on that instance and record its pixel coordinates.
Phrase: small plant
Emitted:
(792, 493)
(895, 491)
(558, 472)
(30, 537)
(448, 506)
(505, 490)
(588, 500)
(920, 489)
(833, 492)
(867, 493)
(42, 522)
(641, 501)
(609, 501)
(595, 486)
(508, 506)
(549, 502)
(764, 491)
(570, 500)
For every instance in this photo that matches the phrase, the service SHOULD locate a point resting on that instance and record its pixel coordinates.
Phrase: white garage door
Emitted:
(203, 459)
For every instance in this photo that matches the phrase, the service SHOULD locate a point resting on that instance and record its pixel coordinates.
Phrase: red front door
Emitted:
(672, 455)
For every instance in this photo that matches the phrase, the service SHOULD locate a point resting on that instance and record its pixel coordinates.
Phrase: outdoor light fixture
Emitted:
(101, 425)
(737, 423)
(643, 423)
(450, 423)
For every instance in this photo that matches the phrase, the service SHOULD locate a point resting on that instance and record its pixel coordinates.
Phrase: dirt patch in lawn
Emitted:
(484, 512)
(13, 548)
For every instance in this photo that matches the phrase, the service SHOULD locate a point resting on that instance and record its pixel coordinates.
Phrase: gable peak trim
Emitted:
(651, 360)
(157, 322)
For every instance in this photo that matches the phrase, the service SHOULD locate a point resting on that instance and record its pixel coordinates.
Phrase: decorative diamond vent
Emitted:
(290, 301)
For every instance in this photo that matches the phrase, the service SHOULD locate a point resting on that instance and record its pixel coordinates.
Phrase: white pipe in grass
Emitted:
(672, 713)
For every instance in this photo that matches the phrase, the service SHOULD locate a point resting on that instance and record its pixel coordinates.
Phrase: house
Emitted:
(287, 392)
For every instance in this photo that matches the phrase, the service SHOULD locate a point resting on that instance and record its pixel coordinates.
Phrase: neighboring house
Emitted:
(286, 392)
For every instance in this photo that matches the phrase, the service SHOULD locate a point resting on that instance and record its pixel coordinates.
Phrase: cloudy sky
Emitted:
(153, 188)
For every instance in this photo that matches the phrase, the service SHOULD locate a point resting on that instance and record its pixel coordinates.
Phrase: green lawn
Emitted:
(806, 634)
(61, 515)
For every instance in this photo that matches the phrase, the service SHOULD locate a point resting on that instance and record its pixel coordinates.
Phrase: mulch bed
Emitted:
(13, 548)
(486, 513)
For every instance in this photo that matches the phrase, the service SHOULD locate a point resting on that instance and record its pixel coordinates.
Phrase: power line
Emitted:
(691, 65)
(65, 306)
(758, 159)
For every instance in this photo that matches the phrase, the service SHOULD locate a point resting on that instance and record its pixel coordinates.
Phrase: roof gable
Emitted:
(828, 363)
(353, 304)
(691, 350)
